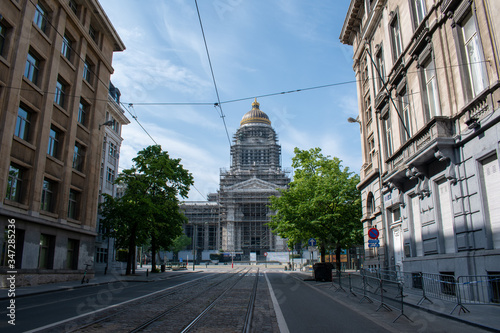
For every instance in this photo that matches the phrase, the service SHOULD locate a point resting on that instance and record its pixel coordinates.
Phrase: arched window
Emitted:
(370, 204)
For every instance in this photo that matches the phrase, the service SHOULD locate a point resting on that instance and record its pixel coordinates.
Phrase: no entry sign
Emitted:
(373, 233)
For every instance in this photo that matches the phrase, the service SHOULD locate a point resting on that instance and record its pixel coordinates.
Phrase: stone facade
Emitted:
(55, 66)
(105, 252)
(428, 96)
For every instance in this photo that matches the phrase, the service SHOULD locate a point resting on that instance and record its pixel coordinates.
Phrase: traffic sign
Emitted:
(373, 244)
(373, 241)
(312, 242)
(373, 233)
(265, 254)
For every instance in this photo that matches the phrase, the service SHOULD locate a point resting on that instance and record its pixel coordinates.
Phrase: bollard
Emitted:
(147, 272)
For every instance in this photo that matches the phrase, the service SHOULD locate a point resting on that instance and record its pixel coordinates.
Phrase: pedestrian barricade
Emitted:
(463, 290)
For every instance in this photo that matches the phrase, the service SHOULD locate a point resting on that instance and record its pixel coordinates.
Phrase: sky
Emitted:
(256, 48)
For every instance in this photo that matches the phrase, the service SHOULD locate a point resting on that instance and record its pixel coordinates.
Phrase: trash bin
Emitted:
(323, 271)
(162, 268)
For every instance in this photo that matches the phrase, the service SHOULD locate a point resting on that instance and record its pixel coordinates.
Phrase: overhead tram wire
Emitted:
(135, 118)
(218, 104)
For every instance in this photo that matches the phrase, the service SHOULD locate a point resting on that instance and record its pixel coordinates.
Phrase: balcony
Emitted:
(421, 147)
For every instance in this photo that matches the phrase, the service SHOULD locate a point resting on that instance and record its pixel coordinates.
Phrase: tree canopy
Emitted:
(321, 202)
(149, 208)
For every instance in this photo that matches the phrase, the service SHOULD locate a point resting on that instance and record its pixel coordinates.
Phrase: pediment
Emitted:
(253, 184)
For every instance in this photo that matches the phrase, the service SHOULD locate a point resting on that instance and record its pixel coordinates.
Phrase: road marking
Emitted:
(279, 315)
(109, 307)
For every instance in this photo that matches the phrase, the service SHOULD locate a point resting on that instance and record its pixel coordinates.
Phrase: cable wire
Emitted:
(218, 104)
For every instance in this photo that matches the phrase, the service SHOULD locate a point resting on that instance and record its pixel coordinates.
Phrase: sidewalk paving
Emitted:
(142, 274)
(483, 316)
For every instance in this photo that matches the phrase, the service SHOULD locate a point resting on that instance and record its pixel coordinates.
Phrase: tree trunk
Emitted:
(338, 251)
(130, 258)
(153, 254)
(323, 252)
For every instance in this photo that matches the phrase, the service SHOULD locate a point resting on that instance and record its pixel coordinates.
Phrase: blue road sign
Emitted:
(312, 242)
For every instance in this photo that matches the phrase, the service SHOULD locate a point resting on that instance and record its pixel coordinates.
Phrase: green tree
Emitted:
(149, 209)
(180, 244)
(321, 202)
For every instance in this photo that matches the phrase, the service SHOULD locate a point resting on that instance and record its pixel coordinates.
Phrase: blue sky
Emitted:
(257, 47)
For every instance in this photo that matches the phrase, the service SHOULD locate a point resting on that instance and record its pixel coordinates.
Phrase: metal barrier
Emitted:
(472, 289)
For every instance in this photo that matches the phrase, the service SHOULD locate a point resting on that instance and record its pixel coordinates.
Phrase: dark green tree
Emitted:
(149, 209)
(180, 244)
(321, 202)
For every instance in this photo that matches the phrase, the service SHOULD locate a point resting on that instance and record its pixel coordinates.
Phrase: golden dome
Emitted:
(255, 116)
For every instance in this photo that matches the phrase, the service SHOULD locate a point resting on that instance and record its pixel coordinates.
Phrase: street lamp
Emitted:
(107, 123)
(352, 120)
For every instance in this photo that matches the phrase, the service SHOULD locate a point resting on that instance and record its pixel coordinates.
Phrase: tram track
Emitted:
(113, 318)
(211, 307)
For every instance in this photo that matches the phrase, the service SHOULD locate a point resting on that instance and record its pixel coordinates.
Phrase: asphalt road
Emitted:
(300, 306)
(308, 310)
(36, 311)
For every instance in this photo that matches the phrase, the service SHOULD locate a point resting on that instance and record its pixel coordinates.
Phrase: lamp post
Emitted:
(107, 123)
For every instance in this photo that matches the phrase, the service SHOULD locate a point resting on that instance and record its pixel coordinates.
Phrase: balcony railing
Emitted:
(437, 128)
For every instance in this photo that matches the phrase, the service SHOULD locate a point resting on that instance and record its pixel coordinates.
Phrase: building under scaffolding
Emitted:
(235, 219)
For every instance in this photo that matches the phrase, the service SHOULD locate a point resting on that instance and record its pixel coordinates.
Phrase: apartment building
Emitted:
(428, 95)
(55, 66)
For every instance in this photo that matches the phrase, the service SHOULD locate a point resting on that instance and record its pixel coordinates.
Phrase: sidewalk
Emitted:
(142, 274)
(481, 316)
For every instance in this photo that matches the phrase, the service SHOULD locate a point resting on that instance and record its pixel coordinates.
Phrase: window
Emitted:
(419, 11)
(66, 47)
(370, 204)
(48, 196)
(368, 109)
(41, 17)
(474, 59)
(73, 205)
(15, 183)
(3, 33)
(46, 254)
(381, 68)
(404, 108)
(93, 33)
(113, 152)
(371, 149)
(387, 128)
(83, 112)
(73, 6)
(72, 254)
(397, 44)
(6, 255)
(23, 123)
(53, 147)
(32, 68)
(60, 92)
(110, 176)
(78, 157)
(431, 91)
(101, 255)
(87, 70)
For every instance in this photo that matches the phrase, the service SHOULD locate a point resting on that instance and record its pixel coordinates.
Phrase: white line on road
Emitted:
(279, 315)
(106, 308)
